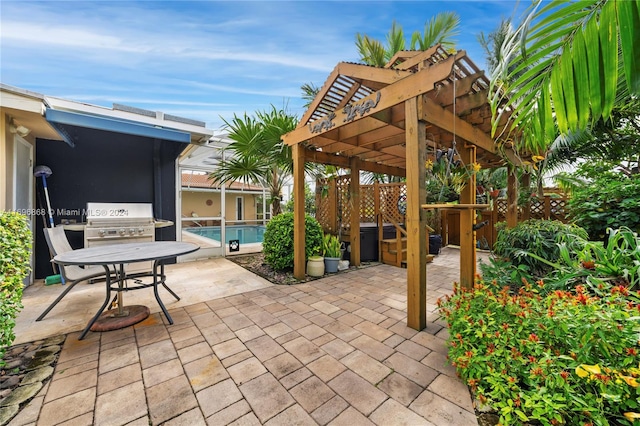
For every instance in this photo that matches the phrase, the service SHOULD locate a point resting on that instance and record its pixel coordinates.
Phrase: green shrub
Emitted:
(15, 252)
(564, 358)
(609, 201)
(539, 237)
(277, 244)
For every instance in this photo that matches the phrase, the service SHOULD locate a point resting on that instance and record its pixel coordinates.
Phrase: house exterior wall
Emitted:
(196, 202)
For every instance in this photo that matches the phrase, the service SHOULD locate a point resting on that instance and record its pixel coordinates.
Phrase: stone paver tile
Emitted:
(192, 417)
(249, 333)
(299, 307)
(442, 412)
(401, 329)
(343, 331)
(225, 312)
(392, 412)
(372, 347)
(321, 320)
(234, 359)
(151, 334)
(161, 372)
(431, 342)
(303, 349)
(124, 404)
(205, 372)
(264, 348)
(185, 333)
(400, 388)
(413, 350)
(311, 393)
(370, 315)
(394, 341)
(329, 410)
(325, 307)
(358, 392)
(351, 417)
(217, 397)
(366, 367)
(326, 368)
(230, 413)
(411, 369)
(237, 322)
(157, 353)
(294, 415)
(246, 370)
(189, 342)
(287, 337)
(452, 389)
(295, 321)
(87, 420)
(325, 338)
(170, 399)
(248, 419)
(372, 330)
(72, 367)
(193, 352)
(117, 343)
(296, 377)
(228, 348)
(439, 362)
(311, 331)
(266, 396)
(217, 334)
(338, 348)
(277, 330)
(68, 407)
(282, 365)
(116, 358)
(71, 384)
(74, 349)
(118, 378)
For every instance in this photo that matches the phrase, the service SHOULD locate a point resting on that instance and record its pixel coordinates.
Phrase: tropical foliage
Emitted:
(440, 29)
(257, 153)
(609, 200)
(15, 253)
(574, 63)
(560, 357)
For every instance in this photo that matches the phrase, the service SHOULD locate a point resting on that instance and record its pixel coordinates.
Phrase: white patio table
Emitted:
(118, 255)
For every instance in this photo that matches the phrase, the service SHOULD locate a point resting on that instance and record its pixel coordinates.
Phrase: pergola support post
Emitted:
(416, 221)
(467, 220)
(354, 214)
(297, 152)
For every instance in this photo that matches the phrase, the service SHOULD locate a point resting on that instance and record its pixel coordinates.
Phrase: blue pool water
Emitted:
(245, 233)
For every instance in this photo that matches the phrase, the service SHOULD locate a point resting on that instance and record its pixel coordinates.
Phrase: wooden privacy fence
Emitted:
(548, 207)
(333, 207)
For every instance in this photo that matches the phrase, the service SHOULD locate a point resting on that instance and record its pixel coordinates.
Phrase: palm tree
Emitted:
(439, 29)
(309, 93)
(258, 154)
(582, 61)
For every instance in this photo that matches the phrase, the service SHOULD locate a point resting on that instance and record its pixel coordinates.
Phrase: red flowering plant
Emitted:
(565, 357)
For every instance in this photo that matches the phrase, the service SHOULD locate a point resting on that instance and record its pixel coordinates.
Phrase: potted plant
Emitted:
(315, 266)
(331, 246)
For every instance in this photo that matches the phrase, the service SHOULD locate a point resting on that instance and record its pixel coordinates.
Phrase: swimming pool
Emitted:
(246, 234)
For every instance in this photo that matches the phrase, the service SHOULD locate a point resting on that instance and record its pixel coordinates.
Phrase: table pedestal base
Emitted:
(109, 320)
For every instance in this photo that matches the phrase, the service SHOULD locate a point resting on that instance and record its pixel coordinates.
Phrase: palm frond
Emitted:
(577, 52)
(440, 29)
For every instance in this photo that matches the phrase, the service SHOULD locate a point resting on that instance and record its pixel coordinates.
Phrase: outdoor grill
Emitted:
(119, 223)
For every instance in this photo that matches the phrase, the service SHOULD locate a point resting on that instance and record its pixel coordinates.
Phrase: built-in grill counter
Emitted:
(119, 223)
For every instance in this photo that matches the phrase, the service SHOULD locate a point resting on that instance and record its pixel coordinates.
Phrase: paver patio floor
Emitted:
(332, 351)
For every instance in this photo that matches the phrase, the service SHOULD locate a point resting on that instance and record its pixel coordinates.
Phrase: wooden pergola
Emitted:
(390, 120)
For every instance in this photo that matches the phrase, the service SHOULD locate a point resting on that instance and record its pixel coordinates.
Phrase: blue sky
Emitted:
(206, 59)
